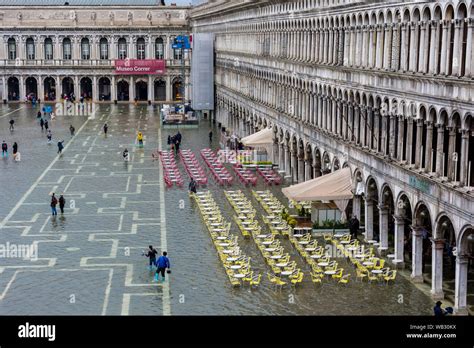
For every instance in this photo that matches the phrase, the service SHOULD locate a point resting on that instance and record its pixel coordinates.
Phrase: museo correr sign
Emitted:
(139, 67)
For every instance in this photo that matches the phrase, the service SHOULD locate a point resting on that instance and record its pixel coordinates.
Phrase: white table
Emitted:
(267, 243)
(232, 259)
(345, 241)
(228, 251)
(377, 271)
(236, 267)
(368, 263)
(323, 264)
(310, 249)
(222, 238)
(239, 276)
(264, 236)
(298, 235)
(283, 264)
(316, 256)
(270, 249)
(303, 242)
(287, 273)
(276, 257)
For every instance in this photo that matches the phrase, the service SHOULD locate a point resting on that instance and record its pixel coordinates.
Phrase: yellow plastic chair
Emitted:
(372, 277)
(316, 277)
(255, 280)
(297, 279)
(344, 279)
(360, 274)
(390, 276)
(338, 274)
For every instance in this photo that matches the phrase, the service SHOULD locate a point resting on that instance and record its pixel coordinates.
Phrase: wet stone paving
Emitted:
(90, 260)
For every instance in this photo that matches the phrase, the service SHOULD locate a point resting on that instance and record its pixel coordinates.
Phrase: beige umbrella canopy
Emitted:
(331, 187)
(262, 138)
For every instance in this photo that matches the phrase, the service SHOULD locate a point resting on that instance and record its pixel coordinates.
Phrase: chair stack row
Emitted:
(193, 167)
(246, 176)
(270, 176)
(219, 172)
(171, 173)
(274, 208)
(236, 264)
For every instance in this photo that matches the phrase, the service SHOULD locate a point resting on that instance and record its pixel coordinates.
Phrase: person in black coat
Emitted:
(354, 226)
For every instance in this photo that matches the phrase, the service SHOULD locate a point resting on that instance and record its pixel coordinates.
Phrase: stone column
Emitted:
(419, 137)
(4, 88)
(347, 46)
(376, 130)
(363, 125)
(131, 89)
(77, 87)
(457, 50)
(392, 136)
(356, 113)
(359, 50)
(440, 170)
(369, 219)
(417, 257)
(344, 120)
(383, 227)
(113, 89)
(40, 87)
(168, 88)
(22, 88)
(287, 160)
(370, 128)
(301, 171)
(434, 47)
(422, 64)
(387, 49)
(428, 147)
(437, 269)
(464, 158)
(395, 59)
(399, 238)
(281, 158)
(404, 48)
(414, 48)
(331, 46)
(307, 169)
(379, 52)
(444, 47)
(451, 150)
(356, 205)
(409, 146)
(460, 297)
(294, 166)
(365, 49)
(341, 45)
(400, 138)
(351, 122)
(150, 88)
(469, 71)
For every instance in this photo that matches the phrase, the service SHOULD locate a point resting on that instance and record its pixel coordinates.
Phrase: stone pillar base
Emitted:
(461, 311)
(438, 295)
(417, 279)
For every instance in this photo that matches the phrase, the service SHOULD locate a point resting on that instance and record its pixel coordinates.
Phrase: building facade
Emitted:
(383, 87)
(49, 51)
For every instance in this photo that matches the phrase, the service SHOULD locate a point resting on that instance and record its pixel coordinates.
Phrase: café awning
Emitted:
(336, 186)
(262, 138)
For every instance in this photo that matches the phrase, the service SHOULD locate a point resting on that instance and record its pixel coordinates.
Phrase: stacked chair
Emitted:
(270, 176)
(273, 207)
(246, 176)
(236, 264)
(193, 168)
(219, 172)
(171, 172)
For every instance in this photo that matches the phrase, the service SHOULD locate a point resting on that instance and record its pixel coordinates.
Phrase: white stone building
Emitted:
(384, 87)
(49, 50)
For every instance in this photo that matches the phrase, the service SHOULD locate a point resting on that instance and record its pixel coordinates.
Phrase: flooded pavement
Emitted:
(90, 261)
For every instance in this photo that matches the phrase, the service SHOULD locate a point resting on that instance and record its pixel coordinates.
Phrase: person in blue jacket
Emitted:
(162, 264)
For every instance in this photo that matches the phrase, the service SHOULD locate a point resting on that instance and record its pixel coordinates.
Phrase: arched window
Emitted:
(177, 53)
(48, 49)
(11, 48)
(159, 48)
(67, 49)
(122, 48)
(141, 46)
(30, 48)
(85, 49)
(104, 49)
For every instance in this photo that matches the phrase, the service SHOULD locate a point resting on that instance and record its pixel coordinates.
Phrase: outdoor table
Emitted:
(270, 217)
(222, 238)
(232, 259)
(283, 264)
(323, 264)
(223, 244)
(279, 228)
(345, 241)
(391, 256)
(303, 242)
(218, 230)
(328, 273)
(298, 235)
(310, 249)
(263, 236)
(235, 267)
(286, 273)
(316, 256)
(275, 222)
(377, 271)
(246, 222)
(213, 218)
(239, 276)
(359, 256)
(245, 211)
(339, 235)
(367, 263)
(228, 251)
(270, 249)
(276, 257)
(249, 228)
(277, 210)
(216, 224)
(267, 243)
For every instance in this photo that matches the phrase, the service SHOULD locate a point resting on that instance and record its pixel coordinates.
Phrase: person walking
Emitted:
(169, 140)
(151, 254)
(12, 122)
(193, 186)
(42, 124)
(46, 125)
(106, 128)
(54, 202)
(62, 203)
(176, 146)
(162, 264)
(4, 149)
(72, 130)
(38, 115)
(50, 137)
(16, 154)
(210, 136)
(140, 139)
(354, 226)
(60, 146)
(179, 137)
